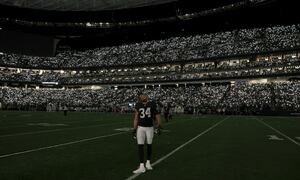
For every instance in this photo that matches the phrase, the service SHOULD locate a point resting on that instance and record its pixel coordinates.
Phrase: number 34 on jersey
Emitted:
(145, 112)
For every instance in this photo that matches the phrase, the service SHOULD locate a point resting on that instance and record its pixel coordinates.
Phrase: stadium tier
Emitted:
(231, 57)
(228, 55)
(239, 98)
(175, 49)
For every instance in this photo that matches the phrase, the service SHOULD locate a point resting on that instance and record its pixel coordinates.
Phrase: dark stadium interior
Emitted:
(214, 83)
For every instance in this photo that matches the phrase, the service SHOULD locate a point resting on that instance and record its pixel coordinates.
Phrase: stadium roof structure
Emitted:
(92, 23)
(81, 5)
(116, 14)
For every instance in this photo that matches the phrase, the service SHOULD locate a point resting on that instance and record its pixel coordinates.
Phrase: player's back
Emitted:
(146, 113)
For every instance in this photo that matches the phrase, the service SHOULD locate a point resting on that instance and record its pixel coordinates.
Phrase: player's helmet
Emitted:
(144, 98)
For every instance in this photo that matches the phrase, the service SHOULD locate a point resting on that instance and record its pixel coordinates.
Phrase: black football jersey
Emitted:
(146, 113)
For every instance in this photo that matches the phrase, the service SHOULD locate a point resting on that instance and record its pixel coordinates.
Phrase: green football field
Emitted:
(97, 146)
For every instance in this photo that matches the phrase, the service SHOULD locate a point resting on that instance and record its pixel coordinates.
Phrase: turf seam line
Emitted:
(59, 145)
(180, 147)
(277, 131)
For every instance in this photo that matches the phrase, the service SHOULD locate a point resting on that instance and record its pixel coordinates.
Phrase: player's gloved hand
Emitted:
(158, 130)
(134, 133)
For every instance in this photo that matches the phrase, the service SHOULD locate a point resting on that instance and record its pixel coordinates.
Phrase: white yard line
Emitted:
(61, 129)
(180, 147)
(64, 144)
(277, 131)
(60, 145)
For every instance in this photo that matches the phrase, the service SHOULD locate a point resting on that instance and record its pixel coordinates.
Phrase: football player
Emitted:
(145, 113)
(65, 109)
(167, 112)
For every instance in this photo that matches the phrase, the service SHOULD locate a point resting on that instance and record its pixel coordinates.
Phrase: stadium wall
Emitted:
(28, 44)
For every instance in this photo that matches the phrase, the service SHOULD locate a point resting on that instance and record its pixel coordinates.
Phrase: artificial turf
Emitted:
(87, 146)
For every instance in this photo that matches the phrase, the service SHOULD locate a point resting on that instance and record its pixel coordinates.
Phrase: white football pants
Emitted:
(144, 133)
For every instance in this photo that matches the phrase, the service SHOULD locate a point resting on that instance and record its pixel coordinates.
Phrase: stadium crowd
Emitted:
(280, 64)
(287, 95)
(237, 98)
(174, 49)
(222, 55)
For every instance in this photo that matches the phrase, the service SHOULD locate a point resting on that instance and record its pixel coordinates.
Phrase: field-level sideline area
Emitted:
(99, 146)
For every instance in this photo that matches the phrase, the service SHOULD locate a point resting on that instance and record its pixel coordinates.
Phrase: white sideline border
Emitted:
(180, 147)
(277, 131)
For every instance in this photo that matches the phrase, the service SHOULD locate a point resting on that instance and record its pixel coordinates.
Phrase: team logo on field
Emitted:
(274, 137)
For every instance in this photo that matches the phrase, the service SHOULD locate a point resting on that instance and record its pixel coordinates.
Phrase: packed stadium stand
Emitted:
(252, 70)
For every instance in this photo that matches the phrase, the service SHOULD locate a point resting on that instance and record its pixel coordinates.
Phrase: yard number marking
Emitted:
(274, 137)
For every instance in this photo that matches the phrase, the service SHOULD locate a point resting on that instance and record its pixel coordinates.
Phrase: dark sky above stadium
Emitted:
(82, 5)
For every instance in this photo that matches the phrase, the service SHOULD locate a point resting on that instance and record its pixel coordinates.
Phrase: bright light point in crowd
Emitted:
(1, 53)
(96, 87)
(88, 24)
